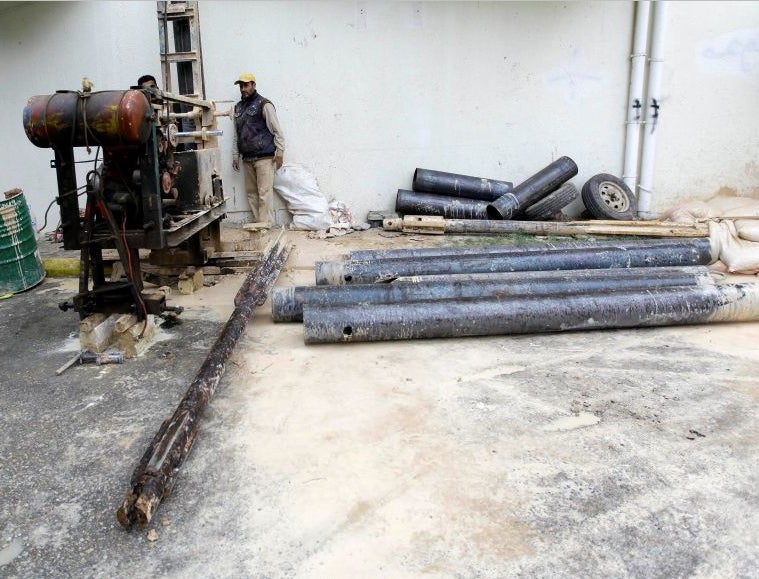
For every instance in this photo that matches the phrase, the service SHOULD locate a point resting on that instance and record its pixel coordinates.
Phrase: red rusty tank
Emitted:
(72, 119)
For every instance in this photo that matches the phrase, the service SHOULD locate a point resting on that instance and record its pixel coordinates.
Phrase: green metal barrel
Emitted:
(20, 264)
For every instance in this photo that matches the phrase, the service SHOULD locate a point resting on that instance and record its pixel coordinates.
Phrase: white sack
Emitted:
(305, 202)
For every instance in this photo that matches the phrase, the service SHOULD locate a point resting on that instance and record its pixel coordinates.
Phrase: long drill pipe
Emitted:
(420, 203)
(287, 303)
(156, 473)
(494, 316)
(686, 252)
(455, 185)
(364, 254)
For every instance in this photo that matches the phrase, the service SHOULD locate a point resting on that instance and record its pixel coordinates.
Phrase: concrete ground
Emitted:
(586, 454)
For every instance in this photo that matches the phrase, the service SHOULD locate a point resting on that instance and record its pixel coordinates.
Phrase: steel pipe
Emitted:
(454, 185)
(201, 133)
(418, 203)
(686, 252)
(494, 316)
(701, 271)
(365, 254)
(287, 303)
(533, 189)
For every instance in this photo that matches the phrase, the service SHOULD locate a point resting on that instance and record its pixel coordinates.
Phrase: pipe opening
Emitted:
(492, 212)
(347, 331)
(348, 278)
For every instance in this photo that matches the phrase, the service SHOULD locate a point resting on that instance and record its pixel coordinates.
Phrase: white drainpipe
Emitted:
(653, 99)
(635, 100)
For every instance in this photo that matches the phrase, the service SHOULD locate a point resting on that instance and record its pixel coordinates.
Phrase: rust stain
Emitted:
(726, 191)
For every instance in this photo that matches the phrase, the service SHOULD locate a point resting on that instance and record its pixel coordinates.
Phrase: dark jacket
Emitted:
(254, 140)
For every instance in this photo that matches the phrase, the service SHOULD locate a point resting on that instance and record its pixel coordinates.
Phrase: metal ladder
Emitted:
(182, 66)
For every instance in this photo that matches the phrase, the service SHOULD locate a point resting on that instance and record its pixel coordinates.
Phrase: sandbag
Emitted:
(739, 255)
(748, 229)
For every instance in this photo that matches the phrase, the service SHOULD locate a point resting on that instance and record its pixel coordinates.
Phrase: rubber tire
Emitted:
(608, 197)
(552, 203)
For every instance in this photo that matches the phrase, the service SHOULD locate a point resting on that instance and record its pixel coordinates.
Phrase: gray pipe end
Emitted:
(283, 305)
(329, 272)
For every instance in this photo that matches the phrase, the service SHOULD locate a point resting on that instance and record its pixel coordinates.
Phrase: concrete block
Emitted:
(130, 343)
(91, 322)
(100, 333)
(190, 281)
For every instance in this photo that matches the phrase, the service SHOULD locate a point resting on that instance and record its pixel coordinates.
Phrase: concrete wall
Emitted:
(368, 91)
(48, 46)
(709, 131)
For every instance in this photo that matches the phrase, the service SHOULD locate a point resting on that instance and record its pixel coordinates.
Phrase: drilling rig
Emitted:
(151, 186)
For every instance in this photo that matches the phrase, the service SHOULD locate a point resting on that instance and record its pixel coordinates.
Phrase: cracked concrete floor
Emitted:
(593, 454)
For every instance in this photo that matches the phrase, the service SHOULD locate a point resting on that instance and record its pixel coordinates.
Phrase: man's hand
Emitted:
(278, 160)
(236, 164)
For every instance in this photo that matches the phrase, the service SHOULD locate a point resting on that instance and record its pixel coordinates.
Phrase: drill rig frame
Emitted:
(156, 188)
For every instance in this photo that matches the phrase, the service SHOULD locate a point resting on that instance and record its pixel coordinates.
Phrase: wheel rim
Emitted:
(614, 196)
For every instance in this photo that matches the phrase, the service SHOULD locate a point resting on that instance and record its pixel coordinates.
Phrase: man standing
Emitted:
(258, 139)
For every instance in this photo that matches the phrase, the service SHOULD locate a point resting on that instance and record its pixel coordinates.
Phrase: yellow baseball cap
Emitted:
(246, 77)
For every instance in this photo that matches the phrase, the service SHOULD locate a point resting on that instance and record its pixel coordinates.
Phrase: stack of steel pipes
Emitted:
(452, 292)
(449, 195)
(455, 196)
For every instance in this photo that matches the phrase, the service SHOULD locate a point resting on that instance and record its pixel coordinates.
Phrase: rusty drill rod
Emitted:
(287, 303)
(156, 474)
(667, 306)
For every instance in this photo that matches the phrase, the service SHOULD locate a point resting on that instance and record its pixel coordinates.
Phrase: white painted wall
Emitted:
(709, 130)
(49, 46)
(368, 91)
